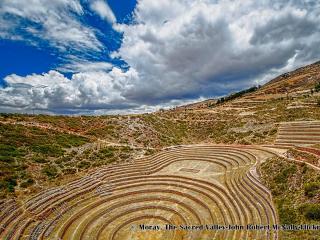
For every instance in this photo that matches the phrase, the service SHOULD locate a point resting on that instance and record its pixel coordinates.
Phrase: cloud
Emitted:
(103, 10)
(185, 49)
(79, 65)
(85, 93)
(56, 22)
(176, 51)
(53, 91)
(290, 24)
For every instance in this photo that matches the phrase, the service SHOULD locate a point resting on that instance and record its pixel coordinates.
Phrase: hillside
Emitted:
(301, 79)
(296, 191)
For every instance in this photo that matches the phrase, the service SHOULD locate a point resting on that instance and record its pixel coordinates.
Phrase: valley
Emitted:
(249, 158)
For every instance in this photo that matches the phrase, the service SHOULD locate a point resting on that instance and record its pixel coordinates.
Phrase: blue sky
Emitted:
(128, 56)
(21, 58)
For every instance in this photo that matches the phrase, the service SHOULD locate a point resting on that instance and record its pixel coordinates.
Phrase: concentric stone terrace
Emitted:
(299, 133)
(189, 186)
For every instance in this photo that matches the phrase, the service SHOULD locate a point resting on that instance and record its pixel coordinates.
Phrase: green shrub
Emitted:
(8, 184)
(107, 152)
(287, 215)
(7, 159)
(27, 183)
(10, 151)
(150, 151)
(237, 95)
(67, 140)
(52, 150)
(84, 164)
(273, 131)
(66, 158)
(283, 176)
(311, 211)
(50, 170)
(311, 189)
(69, 170)
(39, 159)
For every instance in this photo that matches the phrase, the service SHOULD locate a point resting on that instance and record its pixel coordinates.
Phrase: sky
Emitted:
(131, 56)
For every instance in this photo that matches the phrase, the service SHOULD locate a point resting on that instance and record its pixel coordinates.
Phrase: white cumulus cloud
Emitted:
(176, 51)
(103, 10)
(53, 91)
(187, 48)
(54, 21)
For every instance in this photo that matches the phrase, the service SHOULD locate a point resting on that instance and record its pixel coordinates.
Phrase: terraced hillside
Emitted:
(303, 78)
(189, 185)
(299, 133)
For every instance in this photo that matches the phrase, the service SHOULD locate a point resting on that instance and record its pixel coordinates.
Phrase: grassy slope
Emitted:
(24, 151)
(229, 126)
(296, 192)
(300, 79)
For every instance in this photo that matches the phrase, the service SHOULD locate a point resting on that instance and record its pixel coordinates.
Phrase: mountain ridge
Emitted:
(301, 79)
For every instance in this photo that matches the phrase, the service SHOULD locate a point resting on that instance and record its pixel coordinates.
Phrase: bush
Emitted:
(27, 183)
(67, 140)
(39, 159)
(311, 211)
(150, 151)
(84, 164)
(273, 131)
(287, 215)
(69, 171)
(237, 95)
(311, 189)
(8, 184)
(52, 150)
(107, 152)
(10, 151)
(50, 170)
(7, 159)
(283, 176)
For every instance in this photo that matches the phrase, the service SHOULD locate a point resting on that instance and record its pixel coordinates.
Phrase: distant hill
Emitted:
(294, 83)
(303, 78)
